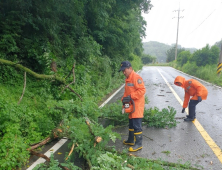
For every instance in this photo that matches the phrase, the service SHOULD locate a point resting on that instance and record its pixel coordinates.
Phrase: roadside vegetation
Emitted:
(200, 63)
(45, 112)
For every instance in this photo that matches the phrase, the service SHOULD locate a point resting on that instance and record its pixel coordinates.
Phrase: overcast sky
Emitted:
(201, 23)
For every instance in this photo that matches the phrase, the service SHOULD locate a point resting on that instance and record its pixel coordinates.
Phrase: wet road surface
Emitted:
(183, 143)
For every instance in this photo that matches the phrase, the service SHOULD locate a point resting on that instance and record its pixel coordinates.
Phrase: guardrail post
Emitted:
(219, 66)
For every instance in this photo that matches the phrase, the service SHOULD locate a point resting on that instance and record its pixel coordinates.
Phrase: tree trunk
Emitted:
(34, 74)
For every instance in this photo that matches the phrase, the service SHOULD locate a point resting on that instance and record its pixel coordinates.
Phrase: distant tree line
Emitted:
(146, 59)
(160, 50)
(208, 55)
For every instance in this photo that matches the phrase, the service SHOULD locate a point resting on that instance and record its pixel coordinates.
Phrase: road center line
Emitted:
(217, 151)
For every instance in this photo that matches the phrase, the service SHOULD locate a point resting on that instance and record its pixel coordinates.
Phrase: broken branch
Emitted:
(73, 72)
(70, 151)
(75, 93)
(46, 158)
(70, 71)
(23, 88)
(40, 144)
(34, 74)
(97, 139)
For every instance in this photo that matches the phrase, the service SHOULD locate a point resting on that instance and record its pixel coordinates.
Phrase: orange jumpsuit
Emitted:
(192, 88)
(134, 86)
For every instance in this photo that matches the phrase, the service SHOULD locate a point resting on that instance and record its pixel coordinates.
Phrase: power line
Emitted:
(202, 22)
(205, 19)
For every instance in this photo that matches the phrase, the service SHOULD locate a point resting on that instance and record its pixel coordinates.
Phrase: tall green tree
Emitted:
(171, 53)
(117, 26)
(183, 57)
(146, 59)
(207, 55)
(39, 31)
(36, 33)
(218, 43)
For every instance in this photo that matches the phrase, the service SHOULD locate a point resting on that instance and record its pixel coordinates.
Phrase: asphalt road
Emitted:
(184, 143)
(198, 143)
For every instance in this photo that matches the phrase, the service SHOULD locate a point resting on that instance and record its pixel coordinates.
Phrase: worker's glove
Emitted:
(183, 110)
(199, 99)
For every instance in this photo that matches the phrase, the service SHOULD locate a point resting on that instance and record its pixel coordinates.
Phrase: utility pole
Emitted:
(177, 29)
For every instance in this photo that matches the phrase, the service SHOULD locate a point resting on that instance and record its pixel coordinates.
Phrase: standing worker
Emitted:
(135, 92)
(192, 88)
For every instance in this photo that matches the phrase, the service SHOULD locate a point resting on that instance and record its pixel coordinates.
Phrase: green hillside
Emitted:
(159, 50)
(156, 49)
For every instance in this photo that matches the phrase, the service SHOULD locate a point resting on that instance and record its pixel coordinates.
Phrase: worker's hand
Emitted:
(183, 110)
(199, 99)
(123, 110)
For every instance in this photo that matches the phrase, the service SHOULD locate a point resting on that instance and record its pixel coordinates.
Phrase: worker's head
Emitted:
(179, 81)
(126, 68)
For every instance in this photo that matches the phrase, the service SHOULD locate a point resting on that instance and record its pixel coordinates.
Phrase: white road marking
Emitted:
(48, 153)
(111, 96)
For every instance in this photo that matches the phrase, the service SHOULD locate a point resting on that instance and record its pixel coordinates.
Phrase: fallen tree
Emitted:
(41, 76)
(34, 74)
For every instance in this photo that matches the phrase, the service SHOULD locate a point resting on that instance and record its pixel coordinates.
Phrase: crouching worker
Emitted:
(194, 89)
(134, 95)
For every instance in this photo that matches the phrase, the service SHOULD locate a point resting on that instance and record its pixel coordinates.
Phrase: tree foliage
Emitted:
(183, 57)
(35, 33)
(146, 59)
(207, 55)
(171, 53)
(218, 44)
(45, 39)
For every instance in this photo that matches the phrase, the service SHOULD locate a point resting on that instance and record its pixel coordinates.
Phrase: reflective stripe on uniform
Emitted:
(188, 86)
(130, 84)
(138, 133)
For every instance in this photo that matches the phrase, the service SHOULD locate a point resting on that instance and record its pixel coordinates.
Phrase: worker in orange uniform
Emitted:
(135, 90)
(194, 89)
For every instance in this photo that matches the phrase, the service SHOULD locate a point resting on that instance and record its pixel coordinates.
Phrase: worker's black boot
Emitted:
(138, 144)
(188, 119)
(192, 110)
(188, 116)
(130, 140)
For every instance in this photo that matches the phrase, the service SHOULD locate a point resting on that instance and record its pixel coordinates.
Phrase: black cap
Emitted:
(124, 65)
